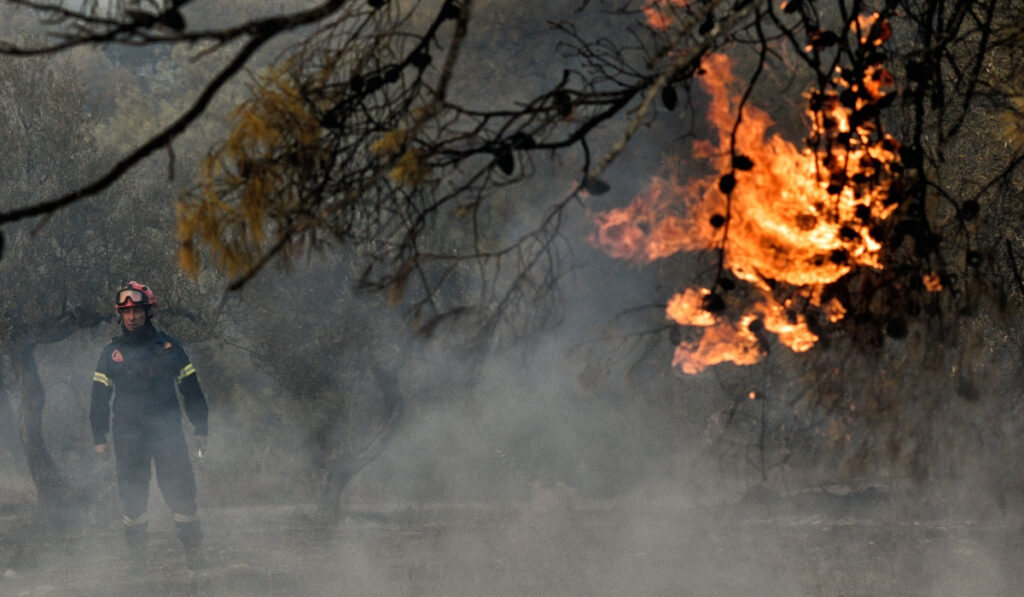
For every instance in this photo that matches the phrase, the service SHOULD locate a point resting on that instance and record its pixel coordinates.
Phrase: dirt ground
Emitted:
(554, 544)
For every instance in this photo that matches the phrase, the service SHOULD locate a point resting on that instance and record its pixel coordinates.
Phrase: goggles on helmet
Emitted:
(129, 297)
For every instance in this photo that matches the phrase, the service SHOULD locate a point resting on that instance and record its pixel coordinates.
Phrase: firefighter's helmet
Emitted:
(135, 295)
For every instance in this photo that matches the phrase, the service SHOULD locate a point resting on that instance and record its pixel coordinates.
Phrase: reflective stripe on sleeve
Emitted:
(186, 371)
(103, 379)
(134, 522)
(186, 517)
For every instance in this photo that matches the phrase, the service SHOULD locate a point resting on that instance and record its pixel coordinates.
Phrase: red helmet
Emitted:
(135, 295)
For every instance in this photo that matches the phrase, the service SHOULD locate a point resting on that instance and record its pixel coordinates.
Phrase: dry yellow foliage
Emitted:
(410, 169)
(1013, 122)
(247, 184)
(391, 143)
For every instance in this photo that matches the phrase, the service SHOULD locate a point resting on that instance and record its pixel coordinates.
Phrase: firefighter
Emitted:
(140, 369)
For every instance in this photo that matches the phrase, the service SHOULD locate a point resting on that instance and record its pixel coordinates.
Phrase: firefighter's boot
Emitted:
(135, 536)
(191, 535)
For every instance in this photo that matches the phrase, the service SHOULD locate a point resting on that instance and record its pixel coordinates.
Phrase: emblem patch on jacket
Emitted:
(116, 356)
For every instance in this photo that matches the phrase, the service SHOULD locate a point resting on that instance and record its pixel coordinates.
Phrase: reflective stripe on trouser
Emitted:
(135, 535)
(167, 450)
(139, 520)
(190, 533)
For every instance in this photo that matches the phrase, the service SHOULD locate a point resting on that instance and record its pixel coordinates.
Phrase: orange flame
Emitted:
(932, 282)
(778, 214)
(659, 12)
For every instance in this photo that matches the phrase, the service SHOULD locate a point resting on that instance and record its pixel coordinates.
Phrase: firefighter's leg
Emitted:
(191, 535)
(135, 538)
(133, 472)
(177, 483)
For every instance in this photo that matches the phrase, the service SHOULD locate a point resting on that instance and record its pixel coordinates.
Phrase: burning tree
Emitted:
(788, 222)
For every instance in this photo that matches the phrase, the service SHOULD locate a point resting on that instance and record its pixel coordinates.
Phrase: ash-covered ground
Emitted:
(828, 541)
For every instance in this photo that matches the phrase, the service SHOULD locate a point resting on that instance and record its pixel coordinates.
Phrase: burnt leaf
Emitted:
(742, 162)
(522, 140)
(421, 59)
(141, 18)
(806, 222)
(824, 39)
(848, 99)
(505, 162)
(792, 6)
(868, 112)
(713, 303)
(727, 183)
(595, 186)
(757, 328)
(816, 101)
(562, 102)
(173, 20)
(875, 58)
(848, 234)
(669, 97)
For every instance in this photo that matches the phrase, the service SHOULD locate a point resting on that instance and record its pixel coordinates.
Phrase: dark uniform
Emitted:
(141, 369)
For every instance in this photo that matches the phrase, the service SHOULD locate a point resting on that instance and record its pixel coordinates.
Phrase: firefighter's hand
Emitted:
(200, 446)
(102, 451)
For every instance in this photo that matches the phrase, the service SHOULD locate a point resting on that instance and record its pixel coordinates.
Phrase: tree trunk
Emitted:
(51, 487)
(8, 427)
(341, 470)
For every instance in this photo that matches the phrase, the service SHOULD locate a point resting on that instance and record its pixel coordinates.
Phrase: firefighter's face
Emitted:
(133, 317)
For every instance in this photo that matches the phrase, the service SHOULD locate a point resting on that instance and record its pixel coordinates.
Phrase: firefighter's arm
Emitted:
(193, 398)
(99, 409)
